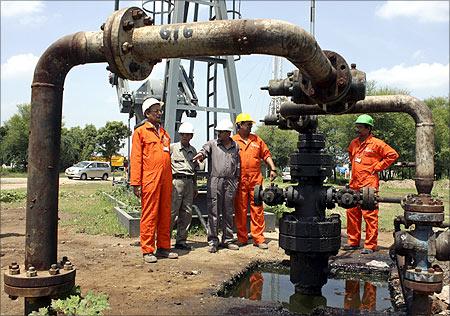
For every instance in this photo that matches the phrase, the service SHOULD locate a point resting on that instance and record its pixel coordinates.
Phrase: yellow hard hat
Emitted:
(244, 117)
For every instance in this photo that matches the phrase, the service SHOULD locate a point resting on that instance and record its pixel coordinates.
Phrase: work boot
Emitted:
(242, 244)
(350, 247)
(262, 245)
(367, 251)
(232, 246)
(212, 249)
(166, 253)
(183, 246)
(149, 258)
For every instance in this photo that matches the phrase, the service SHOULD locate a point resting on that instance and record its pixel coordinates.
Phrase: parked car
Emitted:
(89, 169)
(286, 174)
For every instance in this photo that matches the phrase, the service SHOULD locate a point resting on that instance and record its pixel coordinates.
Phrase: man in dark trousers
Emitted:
(224, 168)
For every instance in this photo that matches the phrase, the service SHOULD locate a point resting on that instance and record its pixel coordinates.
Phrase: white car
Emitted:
(89, 169)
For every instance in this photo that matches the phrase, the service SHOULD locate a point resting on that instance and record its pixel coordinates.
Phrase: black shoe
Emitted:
(212, 249)
(350, 247)
(183, 247)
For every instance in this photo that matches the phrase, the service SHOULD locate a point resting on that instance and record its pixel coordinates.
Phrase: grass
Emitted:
(88, 210)
(84, 208)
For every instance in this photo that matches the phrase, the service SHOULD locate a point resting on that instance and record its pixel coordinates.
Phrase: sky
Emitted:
(400, 44)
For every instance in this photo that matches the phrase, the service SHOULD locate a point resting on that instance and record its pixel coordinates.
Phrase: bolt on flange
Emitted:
(31, 272)
(54, 270)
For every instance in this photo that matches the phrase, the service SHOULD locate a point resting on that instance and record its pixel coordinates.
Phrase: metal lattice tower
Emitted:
(277, 70)
(176, 78)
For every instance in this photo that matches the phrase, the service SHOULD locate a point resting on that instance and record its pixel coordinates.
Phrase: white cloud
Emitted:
(21, 8)
(19, 66)
(423, 80)
(425, 11)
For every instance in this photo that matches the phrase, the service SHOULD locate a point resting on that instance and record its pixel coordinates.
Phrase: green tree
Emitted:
(77, 144)
(110, 138)
(14, 143)
(281, 143)
(441, 117)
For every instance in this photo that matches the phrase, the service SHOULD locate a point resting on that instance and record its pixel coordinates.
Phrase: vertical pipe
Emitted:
(44, 146)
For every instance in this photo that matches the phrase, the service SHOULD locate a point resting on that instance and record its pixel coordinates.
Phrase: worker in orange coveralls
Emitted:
(368, 156)
(252, 287)
(252, 151)
(352, 300)
(151, 178)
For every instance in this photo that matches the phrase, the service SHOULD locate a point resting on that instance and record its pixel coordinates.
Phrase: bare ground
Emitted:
(19, 183)
(114, 266)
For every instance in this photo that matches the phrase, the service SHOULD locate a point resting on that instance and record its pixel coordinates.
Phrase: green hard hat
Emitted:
(364, 119)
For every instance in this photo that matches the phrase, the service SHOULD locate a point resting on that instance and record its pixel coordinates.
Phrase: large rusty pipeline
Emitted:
(44, 147)
(424, 164)
(132, 47)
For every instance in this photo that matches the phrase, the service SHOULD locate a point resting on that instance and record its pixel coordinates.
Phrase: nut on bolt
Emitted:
(126, 47)
(136, 14)
(68, 265)
(31, 272)
(128, 25)
(54, 270)
(148, 20)
(14, 268)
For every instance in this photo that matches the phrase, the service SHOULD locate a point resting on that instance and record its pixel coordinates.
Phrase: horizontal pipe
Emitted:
(419, 111)
(231, 37)
(394, 200)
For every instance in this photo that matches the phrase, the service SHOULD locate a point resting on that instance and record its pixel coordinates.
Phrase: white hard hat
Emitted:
(186, 128)
(149, 102)
(224, 125)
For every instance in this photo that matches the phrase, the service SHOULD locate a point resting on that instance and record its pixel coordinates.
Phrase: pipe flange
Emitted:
(423, 287)
(257, 194)
(422, 203)
(425, 276)
(36, 283)
(342, 83)
(369, 198)
(424, 218)
(118, 44)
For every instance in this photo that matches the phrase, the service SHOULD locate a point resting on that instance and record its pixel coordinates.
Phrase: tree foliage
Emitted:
(77, 143)
(110, 138)
(14, 139)
(281, 143)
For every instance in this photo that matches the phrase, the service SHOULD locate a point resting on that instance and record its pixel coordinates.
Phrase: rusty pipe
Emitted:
(228, 37)
(132, 46)
(424, 164)
(44, 146)
(44, 141)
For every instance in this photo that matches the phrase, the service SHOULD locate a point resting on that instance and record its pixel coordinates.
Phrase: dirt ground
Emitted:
(114, 266)
(19, 183)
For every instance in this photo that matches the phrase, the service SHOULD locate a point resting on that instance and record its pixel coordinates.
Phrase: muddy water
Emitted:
(349, 294)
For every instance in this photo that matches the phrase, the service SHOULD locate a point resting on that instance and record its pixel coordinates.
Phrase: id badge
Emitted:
(165, 148)
(358, 159)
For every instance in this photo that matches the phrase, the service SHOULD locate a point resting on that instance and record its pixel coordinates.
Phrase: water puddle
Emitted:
(354, 292)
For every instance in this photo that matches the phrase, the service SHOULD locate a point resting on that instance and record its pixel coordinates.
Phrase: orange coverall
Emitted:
(151, 169)
(352, 300)
(367, 159)
(251, 153)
